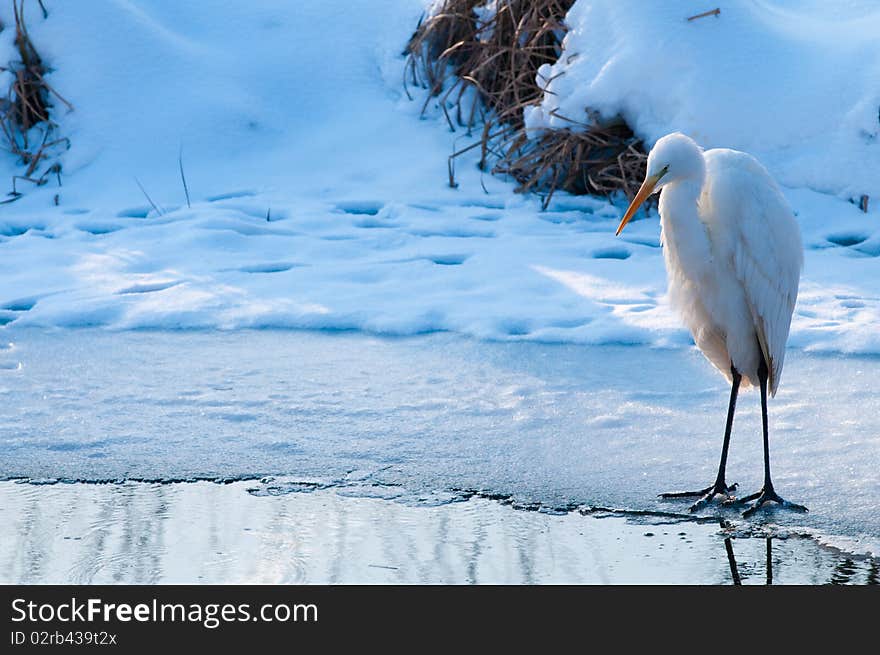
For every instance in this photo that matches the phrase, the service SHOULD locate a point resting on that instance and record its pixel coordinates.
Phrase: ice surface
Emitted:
(420, 417)
(206, 533)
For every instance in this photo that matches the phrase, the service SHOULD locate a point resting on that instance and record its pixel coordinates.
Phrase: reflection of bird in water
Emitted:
(734, 569)
(845, 569)
(731, 560)
(733, 257)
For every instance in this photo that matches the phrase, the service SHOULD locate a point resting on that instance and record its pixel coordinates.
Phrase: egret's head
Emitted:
(673, 158)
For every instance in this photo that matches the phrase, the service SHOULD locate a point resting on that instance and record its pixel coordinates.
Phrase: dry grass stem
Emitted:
(713, 12)
(483, 70)
(24, 113)
(183, 179)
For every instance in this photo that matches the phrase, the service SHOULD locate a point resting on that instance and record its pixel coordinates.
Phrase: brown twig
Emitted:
(183, 179)
(147, 196)
(713, 12)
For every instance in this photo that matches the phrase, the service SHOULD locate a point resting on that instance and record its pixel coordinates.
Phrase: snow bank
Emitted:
(237, 87)
(320, 198)
(795, 83)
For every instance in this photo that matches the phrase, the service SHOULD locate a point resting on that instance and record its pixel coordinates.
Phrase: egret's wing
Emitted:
(765, 244)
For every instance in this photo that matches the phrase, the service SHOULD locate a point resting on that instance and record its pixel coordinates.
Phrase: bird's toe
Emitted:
(762, 498)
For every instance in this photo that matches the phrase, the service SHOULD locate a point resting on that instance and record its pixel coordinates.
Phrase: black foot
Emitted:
(761, 498)
(705, 495)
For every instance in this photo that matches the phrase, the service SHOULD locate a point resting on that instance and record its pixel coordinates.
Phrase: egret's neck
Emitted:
(685, 235)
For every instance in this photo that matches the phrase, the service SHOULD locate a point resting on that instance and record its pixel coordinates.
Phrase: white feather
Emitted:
(733, 254)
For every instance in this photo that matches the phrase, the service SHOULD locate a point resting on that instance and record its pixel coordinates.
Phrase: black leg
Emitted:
(720, 486)
(762, 376)
(767, 493)
(734, 570)
(731, 409)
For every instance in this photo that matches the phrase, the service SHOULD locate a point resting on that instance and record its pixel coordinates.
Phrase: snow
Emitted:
(786, 80)
(319, 202)
(319, 197)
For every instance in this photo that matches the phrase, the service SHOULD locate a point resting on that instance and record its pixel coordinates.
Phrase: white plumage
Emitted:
(748, 278)
(733, 257)
(733, 254)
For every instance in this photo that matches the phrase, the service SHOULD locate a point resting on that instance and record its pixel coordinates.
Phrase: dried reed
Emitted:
(24, 113)
(482, 67)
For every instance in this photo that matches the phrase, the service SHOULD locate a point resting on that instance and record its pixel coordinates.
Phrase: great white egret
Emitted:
(733, 256)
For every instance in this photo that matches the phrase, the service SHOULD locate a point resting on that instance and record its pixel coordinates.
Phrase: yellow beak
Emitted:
(645, 190)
